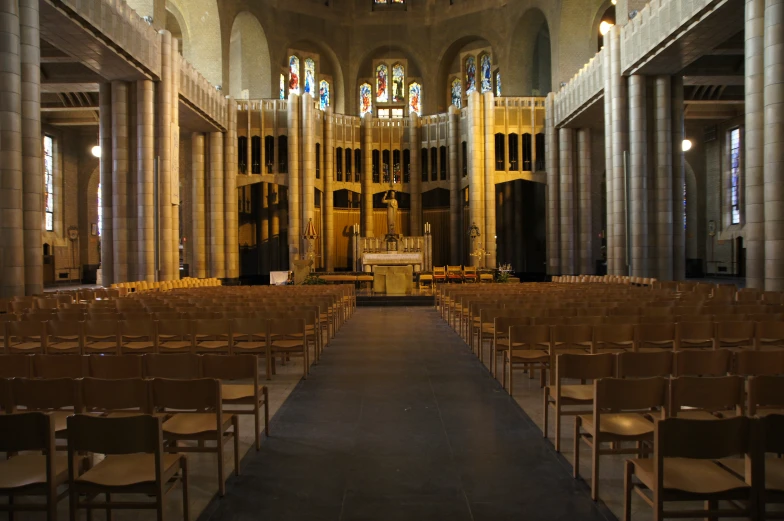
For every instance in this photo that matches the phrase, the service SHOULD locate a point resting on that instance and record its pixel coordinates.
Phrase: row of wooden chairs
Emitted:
(186, 282)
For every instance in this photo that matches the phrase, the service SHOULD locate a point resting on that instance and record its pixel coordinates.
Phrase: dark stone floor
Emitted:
(399, 421)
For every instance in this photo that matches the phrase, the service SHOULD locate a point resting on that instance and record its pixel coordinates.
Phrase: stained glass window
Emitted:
(735, 174)
(498, 83)
(382, 94)
(365, 105)
(293, 75)
(282, 87)
(684, 205)
(415, 98)
(457, 93)
(49, 182)
(323, 94)
(310, 81)
(470, 74)
(487, 73)
(398, 82)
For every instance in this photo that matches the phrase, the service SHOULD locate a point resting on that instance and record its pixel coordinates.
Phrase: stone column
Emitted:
(454, 186)
(754, 137)
(145, 179)
(32, 164)
(415, 144)
(774, 145)
(608, 153)
(12, 251)
(566, 192)
(308, 155)
(476, 164)
(120, 179)
(107, 227)
(366, 208)
(175, 160)
(508, 225)
(585, 199)
(520, 261)
(264, 243)
(198, 208)
(164, 102)
(678, 180)
(217, 208)
(620, 140)
(276, 251)
(638, 171)
(327, 204)
(664, 211)
(553, 191)
(230, 192)
(294, 208)
(489, 146)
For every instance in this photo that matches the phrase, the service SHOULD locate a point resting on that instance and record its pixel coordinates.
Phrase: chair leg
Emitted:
(184, 480)
(256, 421)
(557, 425)
(221, 481)
(266, 411)
(627, 490)
(108, 509)
(576, 466)
(546, 394)
(595, 467)
(236, 423)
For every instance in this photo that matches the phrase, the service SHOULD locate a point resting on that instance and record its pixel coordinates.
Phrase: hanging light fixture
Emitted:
(96, 151)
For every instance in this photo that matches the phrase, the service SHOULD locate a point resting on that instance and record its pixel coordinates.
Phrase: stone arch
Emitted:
(576, 21)
(445, 62)
(692, 242)
(249, 58)
(530, 66)
(178, 26)
(329, 64)
(364, 69)
(606, 7)
(202, 18)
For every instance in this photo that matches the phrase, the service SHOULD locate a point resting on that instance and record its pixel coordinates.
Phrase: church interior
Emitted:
(392, 259)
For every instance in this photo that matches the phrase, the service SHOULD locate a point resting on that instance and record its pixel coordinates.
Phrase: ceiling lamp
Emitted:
(604, 27)
(96, 150)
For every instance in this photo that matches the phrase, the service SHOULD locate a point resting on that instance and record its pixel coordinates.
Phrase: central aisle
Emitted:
(399, 421)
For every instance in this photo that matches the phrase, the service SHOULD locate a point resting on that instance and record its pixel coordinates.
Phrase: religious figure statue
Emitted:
(391, 202)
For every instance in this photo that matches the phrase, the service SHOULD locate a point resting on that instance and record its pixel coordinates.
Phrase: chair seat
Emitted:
(30, 469)
(63, 346)
(60, 420)
(766, 411)
(101, 346)
(183, 424)
(26, 346)
(487, 328)
(689, 475)
(138, 345)
(175, 345)
(250, 345)
(631, 425)
(122, 470)
(286, 344)
(582, 393)
(697, 414)
(238, 392)
(774, 471)
(212, 344)
(531, 356)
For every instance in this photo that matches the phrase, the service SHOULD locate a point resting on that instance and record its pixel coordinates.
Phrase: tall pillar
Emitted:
(678, 180)
(164, 113)
(552, 191)
(31, 145)
(276, 250)
(294, 208)
(585, 200)
(774, 145)
(508, 225)
(145, 179)
(454, 186)
(175, 159)
(566, 192)
(198, 208)
(489, 135)
(217, 207)
(519, 263)
(366, 208)
(230, 192)
(476, 165)
(754, 134)
(415, 144)
(264, 242)
(608, 153)
(328, 202)
(620, 140)
(638, 171)
(107, 227)
(308, 155)
(12, 252)
(665, 217)
(120, 179)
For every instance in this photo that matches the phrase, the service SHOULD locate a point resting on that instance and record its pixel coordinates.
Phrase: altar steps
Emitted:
(395, 300)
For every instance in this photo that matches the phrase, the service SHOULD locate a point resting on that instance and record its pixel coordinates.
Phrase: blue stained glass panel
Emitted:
(457, 93)
(487, 73)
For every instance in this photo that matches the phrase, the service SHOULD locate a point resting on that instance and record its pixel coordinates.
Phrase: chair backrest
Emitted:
(619, 394)
(121, 435)
(584, 367)
(769, 333)
(529, 337)
(706, 392)
(178, 327)
(173, 366)
(26, 431)
(200, 394)
(571, 335)
(644, 365)
(247, 327)
(287, 326)
(234, 367)
(655, 335)
(758, 363)
(693, 334)
(42, 395)
(60, 366)
(765, 391)
(738, 333)
(699, 439)
(16, 366)
(116, 394)
(703, 363)
(211, 326)
(772, 430)
(110, 367)
(606, 336)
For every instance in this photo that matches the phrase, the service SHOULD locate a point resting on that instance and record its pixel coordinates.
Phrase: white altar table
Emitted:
(414, 259)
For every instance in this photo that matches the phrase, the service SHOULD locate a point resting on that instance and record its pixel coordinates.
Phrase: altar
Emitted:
(413, 259)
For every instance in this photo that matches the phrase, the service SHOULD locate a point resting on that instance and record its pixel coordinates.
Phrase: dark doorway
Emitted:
(740, 256)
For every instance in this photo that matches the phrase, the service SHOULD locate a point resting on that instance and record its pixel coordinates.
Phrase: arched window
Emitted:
(498, 83)
(527, 153)
(406, 166)
(375, 161)
(318, 160)
(540, 164)
(293, 75)
(49, 183)
(323, 94)
(310, 76)
(348, 165)
(396, 166)
(339, 164)
(433, 164)
(487, 73)
(357, 165)
(282, 86)
(382, 94)
(415, 99)
(514, 152)
(398, 82)
(365, 104)
(385, 165)
(735, 148)
(470, 74)
(255, 154)
(425, 164)
(242, 154)
(457, 93)
(269, 152)
(283, 154)
(442, 157)
(500, 152)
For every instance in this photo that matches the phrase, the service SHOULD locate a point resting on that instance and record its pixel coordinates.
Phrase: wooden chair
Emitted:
(439, 274)
(470, 274)
(24, 337)
(134, 463)
(16, 366)
(765, 395)
(101, 337)
(138, 336)
(199, 418)
(60, 366)
(111, 367)
(454, 273)
(683, 449)
(734, 335)
(174, 336)
(211, 336)
(769, 335)
(631, 364)
(116, 397)
(64, 337)
(287, 336)
(184, 366)
(240, 367)
(529, 349)
(59, 397)
(569, 340)
(37, 474)
(694, 335)
(706, 397)
(702, 363)
(654, 337)
(619, 415)
(500, 343)
(580, 367)
(612, 338)
(251, 336)
(759, 363)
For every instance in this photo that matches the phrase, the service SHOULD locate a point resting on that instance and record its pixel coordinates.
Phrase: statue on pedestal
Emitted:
(391, 202)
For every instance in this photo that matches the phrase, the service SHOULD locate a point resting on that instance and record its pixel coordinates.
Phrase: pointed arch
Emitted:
(249, 58)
